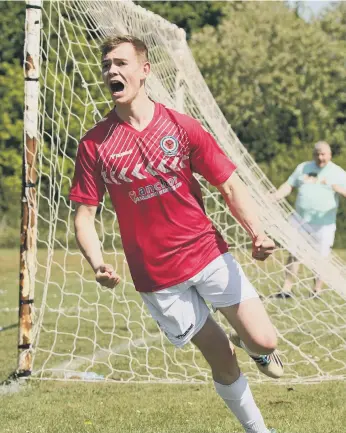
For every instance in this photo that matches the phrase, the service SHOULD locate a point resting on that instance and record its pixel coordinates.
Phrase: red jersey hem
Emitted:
(186, 277)
(83, 200)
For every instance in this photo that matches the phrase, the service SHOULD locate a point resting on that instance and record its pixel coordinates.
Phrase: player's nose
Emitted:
(113, 70)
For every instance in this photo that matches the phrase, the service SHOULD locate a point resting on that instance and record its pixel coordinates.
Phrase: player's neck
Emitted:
(139, 113)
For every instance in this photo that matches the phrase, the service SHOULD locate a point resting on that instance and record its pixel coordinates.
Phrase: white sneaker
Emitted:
(270, 365)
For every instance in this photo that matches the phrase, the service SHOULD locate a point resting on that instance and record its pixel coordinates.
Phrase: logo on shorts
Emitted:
(179, 337)
(169, 145)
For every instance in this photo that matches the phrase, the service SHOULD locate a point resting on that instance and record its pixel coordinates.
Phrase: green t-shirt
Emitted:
(317, 202)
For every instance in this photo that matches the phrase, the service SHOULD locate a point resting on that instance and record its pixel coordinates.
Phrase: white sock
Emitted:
(239, 399)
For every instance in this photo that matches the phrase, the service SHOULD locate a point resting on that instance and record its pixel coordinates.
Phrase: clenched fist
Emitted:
(106, 276)
(262, 247)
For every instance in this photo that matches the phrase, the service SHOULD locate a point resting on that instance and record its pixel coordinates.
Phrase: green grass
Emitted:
(56, 407)
(75, 310)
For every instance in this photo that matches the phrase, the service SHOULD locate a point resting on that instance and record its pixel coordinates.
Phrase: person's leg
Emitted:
(292, 265)
(258, 341)
(318, 286)
(292, 269)
(245, 318)
(216, 348)
(227, 288)
(325, 236)
(184, 316)
(229, 383)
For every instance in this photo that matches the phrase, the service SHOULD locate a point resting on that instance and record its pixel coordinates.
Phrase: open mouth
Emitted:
(117, 86)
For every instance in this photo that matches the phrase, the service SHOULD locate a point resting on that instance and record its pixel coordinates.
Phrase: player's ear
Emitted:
(146, 69)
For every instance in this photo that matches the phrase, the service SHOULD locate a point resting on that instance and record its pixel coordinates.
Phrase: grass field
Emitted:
(80, 320)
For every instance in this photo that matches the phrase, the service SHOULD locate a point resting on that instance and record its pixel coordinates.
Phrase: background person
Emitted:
(320, 183)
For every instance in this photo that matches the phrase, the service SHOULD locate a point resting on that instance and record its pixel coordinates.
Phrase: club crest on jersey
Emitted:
(169, 145)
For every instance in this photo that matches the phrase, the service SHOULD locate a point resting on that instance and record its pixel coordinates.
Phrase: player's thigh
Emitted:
(228, 289)
(251, 321)
(179, 311)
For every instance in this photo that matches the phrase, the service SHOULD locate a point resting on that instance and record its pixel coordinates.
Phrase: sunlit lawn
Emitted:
(81, 320)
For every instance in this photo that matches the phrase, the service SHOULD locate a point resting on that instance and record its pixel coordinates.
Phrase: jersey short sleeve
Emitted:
(87, 186)
(293, 180)
(207, 158)
(342, 178)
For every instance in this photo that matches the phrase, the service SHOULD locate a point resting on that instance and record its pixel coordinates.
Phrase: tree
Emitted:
(191, 16)
(277, 79)
(12, 15)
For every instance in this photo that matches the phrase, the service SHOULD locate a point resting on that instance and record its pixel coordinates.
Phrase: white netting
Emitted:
(85, 331)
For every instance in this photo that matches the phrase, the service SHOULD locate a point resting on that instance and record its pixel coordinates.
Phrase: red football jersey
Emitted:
(166, 234)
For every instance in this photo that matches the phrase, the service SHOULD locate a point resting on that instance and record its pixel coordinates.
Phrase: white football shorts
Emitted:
(323, 234)
(181, 310)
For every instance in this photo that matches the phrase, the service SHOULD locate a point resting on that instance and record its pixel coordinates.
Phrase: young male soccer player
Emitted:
(145, 154)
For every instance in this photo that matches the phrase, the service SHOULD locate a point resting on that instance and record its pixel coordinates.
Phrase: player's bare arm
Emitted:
(243, 208)
(89, 244)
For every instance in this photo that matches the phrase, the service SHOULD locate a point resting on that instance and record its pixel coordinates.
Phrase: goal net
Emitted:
(84, 331)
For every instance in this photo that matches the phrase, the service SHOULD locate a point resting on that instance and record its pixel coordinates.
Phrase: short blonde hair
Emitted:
(112, 42)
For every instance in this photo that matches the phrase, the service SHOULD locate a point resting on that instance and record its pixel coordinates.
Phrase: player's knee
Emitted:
(264, 344)
(271, 343)
(268, 343)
